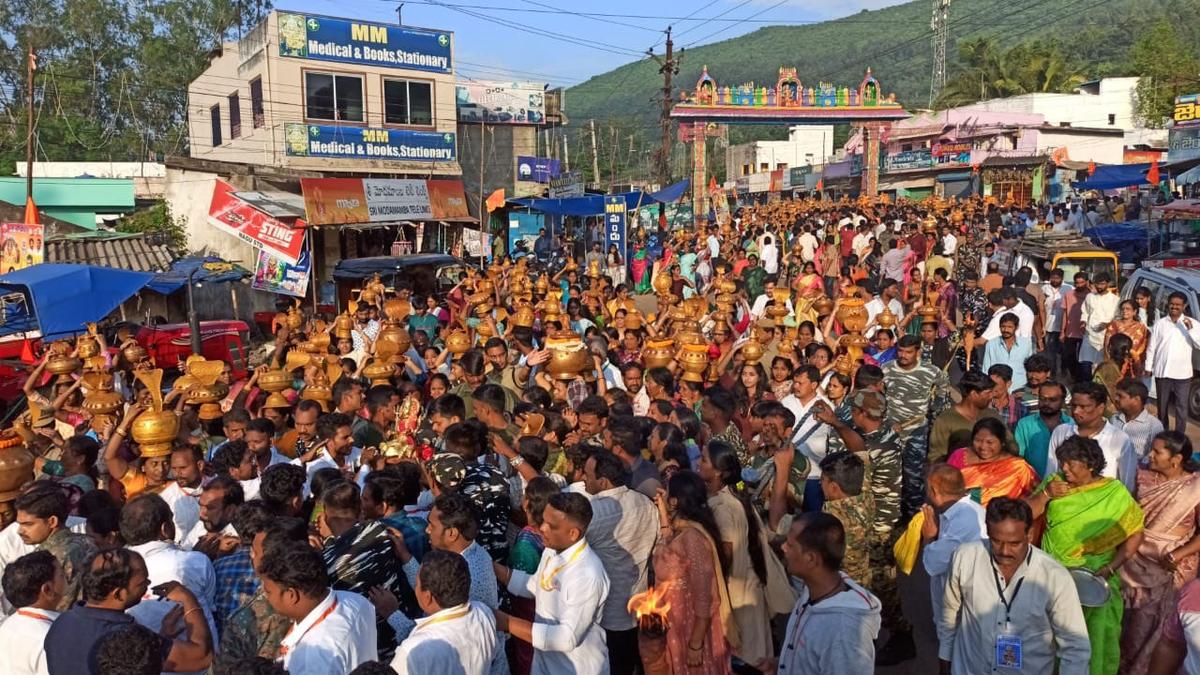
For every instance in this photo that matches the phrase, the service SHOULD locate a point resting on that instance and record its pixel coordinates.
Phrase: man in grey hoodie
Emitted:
(833, 627)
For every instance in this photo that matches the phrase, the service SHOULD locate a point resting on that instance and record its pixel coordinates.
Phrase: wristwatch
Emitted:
(516, 461)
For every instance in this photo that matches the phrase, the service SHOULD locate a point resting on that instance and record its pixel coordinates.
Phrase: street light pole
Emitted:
(193, 320)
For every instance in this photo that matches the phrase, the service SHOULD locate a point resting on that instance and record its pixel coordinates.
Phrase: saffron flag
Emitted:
(31, 212)
(495, 200)
(1152, 175)
(1091, 168)
(820, 184)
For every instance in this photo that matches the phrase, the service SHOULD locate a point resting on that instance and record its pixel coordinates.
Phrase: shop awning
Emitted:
(1113, 176)
(60, 300)
(910, 184)
(208, 269)
(953, 176)
(593, 205)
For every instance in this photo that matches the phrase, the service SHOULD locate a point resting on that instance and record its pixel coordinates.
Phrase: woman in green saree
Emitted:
(1091, 522)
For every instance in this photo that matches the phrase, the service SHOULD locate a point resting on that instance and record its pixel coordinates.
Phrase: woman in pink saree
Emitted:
(1169, 495)
(689, 573)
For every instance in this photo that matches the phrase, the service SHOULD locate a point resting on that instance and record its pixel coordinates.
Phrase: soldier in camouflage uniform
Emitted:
(842, 478)
(42, 521)
(883, 456)
(918, 393)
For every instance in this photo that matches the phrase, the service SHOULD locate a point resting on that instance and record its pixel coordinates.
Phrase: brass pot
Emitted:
(88, 347)
(207, 393)
(568, 356)
(853, 314)
(687, 337)
(886, 319)
(378, 372)
(658, 353)
(318, 344)
(63, 364)
(394, 333)
(752, 351)
(523, 316)
(662, 283)
(210, 411)
(135, 353)
(275, 381)
(155, 432)
(16, 466)
(823, 305)
(694, 361)
(343, 327)
(102, 403)
(458, 342)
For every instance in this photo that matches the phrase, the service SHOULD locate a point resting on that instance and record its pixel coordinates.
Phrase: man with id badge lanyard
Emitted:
(1009, 607)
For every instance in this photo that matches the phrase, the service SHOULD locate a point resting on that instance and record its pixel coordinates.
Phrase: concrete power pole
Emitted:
(595, 158)
(940, 25)
(668, 66)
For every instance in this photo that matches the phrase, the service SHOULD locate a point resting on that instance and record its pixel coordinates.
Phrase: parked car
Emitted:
(1045, 251)
(1162, 282)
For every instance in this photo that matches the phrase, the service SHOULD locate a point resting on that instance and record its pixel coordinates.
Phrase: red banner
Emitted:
(447, 199)
(233, 216)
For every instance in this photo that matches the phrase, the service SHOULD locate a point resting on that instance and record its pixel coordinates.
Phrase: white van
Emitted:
(1162, 282)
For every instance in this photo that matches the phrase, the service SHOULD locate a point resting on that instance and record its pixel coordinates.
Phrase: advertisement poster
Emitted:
(501, 102)
(233, 216)
(275, 275)
(614, 223)
(447, 200)
(568, 184)
(1187, 111)
(909, 159)
(952, 153)
(537, 169)
(328, 140)
(477, 243)
(323, 38)
(21, 246)
(339, 201)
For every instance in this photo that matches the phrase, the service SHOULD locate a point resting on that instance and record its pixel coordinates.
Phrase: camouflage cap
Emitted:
(447, 469)
(871, 403)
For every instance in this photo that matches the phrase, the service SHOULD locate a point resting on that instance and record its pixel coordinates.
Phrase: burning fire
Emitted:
(651, 609)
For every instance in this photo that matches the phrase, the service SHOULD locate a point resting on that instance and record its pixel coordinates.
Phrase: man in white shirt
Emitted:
(808, 244)
(889, 295)
(570, 588)
(457, 636)
(1011, 304)
(1052, 316)
(808, 434)
(183, 493)
(860, 241)
(332, 631)
(1169, 359)
(952, 518)
(949, 242)
(770, 254)
(1099, 309)
(623, 532)
(34, 584)
(1007, 600)
(1088, 400)
(714, 244)
(148, 529)
(214, 533)
(760, 303)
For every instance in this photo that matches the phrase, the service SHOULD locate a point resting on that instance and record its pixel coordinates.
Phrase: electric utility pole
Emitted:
(940, 25)
(668, 66)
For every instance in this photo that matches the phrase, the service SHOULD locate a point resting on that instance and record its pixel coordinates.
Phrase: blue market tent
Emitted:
(1131, 241)
(60, 300)
(1114, 176)
(176, 278)
(593, 205)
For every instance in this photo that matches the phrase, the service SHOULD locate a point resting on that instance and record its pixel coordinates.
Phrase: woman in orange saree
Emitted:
(1169, 494)
(990, 467)
(1128, 324)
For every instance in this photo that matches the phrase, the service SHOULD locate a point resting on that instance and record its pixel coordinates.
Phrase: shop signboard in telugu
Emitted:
(323, 38)
(568, 184)
(1187, 111)
(909, 159)
(796, 175)
(501, 102)
(952, 153)
(328, 140)
(537, 169)
(233, 216)
(615, 223)
(1183, 144)
(21, 245)
(340, 201)
(275, 275)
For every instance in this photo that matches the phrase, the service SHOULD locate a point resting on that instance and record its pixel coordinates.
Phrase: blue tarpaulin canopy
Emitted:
(60, 300)
(1113, 176)
(1131, 240)
(593, 205)
(177, 277)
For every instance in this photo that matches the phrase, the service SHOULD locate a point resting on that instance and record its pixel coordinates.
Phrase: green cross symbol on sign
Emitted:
(314, 131)
(313, 25)
(447, 138)
(443, 40)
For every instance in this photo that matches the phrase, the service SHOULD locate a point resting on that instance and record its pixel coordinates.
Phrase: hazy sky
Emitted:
(489, 49)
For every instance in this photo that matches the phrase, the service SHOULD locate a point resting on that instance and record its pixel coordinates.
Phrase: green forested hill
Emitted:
(1094, 35)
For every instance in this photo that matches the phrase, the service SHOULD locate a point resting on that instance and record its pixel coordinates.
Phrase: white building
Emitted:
(805, 146)
(1105, 103)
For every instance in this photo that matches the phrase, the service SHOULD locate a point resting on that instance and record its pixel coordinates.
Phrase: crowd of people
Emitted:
(826, 402)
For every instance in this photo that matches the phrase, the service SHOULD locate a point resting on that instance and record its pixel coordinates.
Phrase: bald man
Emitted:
(952, 518)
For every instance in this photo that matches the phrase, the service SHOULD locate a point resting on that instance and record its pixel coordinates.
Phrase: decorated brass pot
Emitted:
(662, 283)
(694, 361)
(62, 364)
(343, 327)
(853, 314)
(134, 353)
(569, 358)
(752, 351)
(886, 319)
(458, 342)
(394, 333)
(378, 372)
(16, 465)
(155, 432)
(658, 353)
(275, 380)
(823, 305)
(523, 316)
(779, 309)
